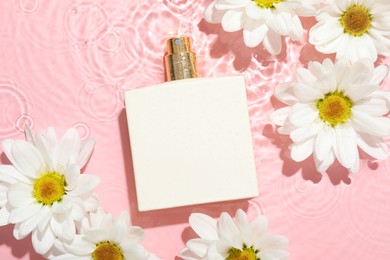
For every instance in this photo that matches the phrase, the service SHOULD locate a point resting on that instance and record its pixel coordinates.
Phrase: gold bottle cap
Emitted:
(180, 61)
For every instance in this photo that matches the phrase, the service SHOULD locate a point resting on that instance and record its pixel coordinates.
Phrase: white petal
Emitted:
(356, 164)
(254, 33)
(135, 234)
(4, 215)
(254, 12)
(378, 126)
(80, 246)
(85, 152)
(22, 213)
(86, 183)
(198, 246)
(304, 76)
(272, 42)
(285, 93)
(301, 151)
(134, 251)
(326, 83)
(46, 216)
(232, 21)
(280, 23)
(301, 134)
(68, 230)
(325, 31)
(187, 254)
(20, 195)
(42, 242)
(16, 233)
(227, 228)
(324, 142)
(271, 242)
(323, 165)
(302, 114)
(372, 106)
(68, 147)
(296, 30)
(10, 174)
(72, 174)
(30, 224)
(55, 226)
(278, 117)
(306, 93)
(380, 73)
(27, 158)
(361, 91)
(373, 146)
(259, 227)
(212, 15)
(204, 226)
(346, 143)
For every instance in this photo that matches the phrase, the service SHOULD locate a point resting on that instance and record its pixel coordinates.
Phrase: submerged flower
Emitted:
(353, 29)
(103, 237)
(233, 239)
(332, 110)
(262, 21)
(42, 192)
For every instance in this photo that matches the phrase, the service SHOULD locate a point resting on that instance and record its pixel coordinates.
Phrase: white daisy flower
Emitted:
(262, 21)
(42, 192)
(233, 239)
(104, 237)
(353, 29)
(332, 110)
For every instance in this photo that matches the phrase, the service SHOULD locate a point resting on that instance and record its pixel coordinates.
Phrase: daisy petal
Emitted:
(324, 141)
(86, 183)
(254, 33)
(323, 165)
(72, 174)
(27, 158)
(204, 226)
(272, 42)
(198, 246)
(85, 152)
(346, 144)
(380, 73)
(278, 117)
(301, 151)
(80, 246)
(373, 146)
(68, 147)
(10, 174)
(27, 226)
(378, 126)
(212, 15)
(4, 215)
(227, 227)
(232, 21)
(42, 242)
(134, 251)
(20, 195)
(302, 114)
(20, 214)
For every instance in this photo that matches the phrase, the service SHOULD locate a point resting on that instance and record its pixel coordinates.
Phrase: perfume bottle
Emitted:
(190, 136)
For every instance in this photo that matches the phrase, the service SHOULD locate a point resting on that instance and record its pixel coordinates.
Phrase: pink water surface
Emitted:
(67, 63)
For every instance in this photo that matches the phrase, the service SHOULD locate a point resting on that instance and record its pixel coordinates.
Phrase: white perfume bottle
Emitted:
(190, 137)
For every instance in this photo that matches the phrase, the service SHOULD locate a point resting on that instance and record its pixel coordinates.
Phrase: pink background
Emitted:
(67, 63)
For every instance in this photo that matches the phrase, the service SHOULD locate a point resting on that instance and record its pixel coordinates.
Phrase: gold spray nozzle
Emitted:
(180, 61)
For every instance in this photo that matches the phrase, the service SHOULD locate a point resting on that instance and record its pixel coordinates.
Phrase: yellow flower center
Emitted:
(267, 3)
(49, 188)
(356, 20)
(107, 250)
(334, 108)
(246, 253)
